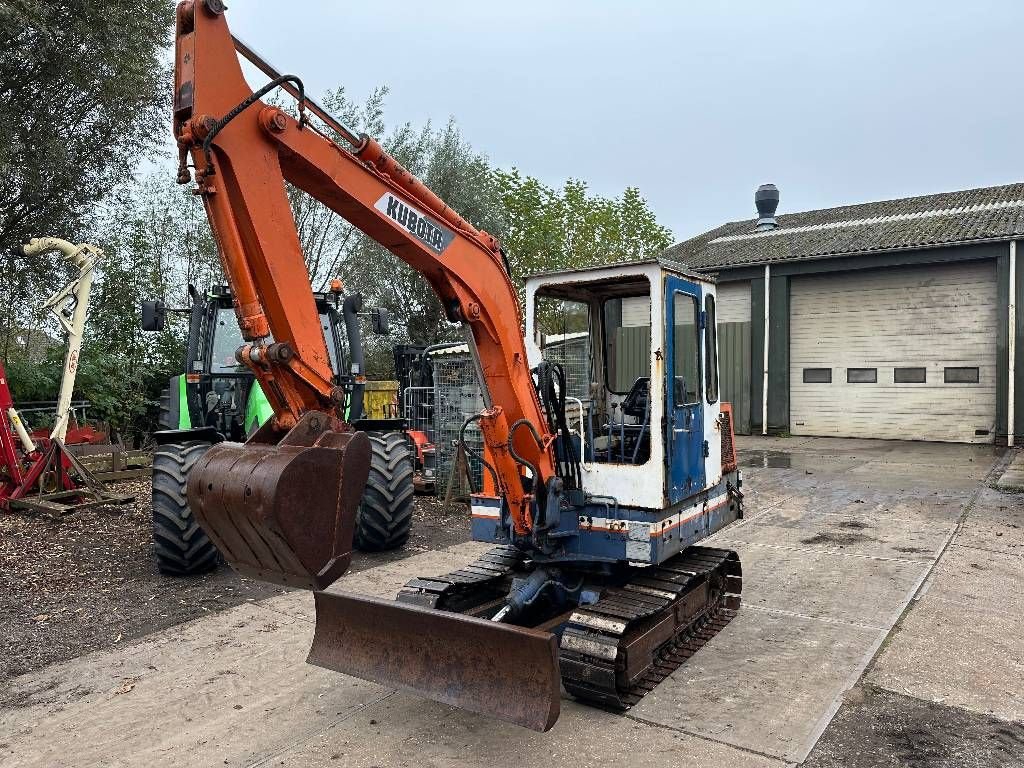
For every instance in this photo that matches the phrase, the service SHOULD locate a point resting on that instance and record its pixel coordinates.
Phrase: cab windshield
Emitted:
(227, 338)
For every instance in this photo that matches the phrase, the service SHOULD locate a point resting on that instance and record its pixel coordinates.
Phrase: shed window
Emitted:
(711, 350)
(861, 375)
(817, 375)
(909, 376)
(961, 375)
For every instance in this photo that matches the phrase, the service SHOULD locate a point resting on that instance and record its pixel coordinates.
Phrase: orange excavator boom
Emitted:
(243, 151)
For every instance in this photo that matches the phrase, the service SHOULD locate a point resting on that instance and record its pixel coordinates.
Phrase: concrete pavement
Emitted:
(839, 539)
(1013, 477)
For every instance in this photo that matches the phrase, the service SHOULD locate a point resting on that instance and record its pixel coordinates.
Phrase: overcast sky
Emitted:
(695, 103)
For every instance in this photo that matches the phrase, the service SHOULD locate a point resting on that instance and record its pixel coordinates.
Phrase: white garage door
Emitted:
(905, 353)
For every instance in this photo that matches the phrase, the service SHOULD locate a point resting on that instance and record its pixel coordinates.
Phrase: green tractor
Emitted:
(217, 398)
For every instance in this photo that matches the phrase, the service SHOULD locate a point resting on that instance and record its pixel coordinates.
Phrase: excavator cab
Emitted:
(638, 347)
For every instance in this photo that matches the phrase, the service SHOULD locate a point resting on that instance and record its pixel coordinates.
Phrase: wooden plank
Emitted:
(124, 474)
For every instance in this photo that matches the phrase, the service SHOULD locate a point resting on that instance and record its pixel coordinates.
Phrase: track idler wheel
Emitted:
(285, 512)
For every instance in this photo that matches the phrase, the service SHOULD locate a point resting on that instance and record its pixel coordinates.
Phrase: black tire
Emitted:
(385, 513)
(164, 420)
(182, 548)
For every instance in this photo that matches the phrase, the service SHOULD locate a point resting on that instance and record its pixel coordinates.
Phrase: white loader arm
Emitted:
(69, 305)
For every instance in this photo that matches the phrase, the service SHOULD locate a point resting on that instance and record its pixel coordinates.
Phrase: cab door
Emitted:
(684, 423)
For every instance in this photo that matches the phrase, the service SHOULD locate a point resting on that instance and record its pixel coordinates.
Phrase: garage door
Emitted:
(907, 353)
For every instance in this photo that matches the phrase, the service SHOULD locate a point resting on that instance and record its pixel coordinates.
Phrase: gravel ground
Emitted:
(88, 581)
(878, 729)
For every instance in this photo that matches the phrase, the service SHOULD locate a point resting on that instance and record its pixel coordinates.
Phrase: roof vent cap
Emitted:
(766, 198)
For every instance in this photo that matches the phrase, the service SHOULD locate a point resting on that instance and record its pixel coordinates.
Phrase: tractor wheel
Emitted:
(182, 548)
(164, 419)
(385, 513)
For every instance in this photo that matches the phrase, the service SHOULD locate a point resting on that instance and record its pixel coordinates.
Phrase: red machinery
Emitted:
(43, 476)
(13, 463)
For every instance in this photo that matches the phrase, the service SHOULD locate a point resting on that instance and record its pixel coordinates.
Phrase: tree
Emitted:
(83, 90)
(463, 178)
(326, 238)
(332, 247)
(156, 241)
(547, 229)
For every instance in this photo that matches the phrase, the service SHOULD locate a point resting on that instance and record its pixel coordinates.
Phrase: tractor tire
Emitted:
(164, 419)
(182, 548)
(384, 518)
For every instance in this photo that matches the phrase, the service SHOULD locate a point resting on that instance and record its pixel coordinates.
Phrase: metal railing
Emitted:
(78, 410)
(418, 409)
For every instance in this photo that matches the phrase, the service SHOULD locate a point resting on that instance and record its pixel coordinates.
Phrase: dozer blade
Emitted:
(494, 669)
(284, 513)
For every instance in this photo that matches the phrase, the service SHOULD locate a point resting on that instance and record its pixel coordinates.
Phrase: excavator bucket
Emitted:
(284, 512)
(499, 670)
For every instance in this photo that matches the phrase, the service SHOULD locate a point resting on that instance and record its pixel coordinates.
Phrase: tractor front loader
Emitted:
(217, 398)
(600, 478)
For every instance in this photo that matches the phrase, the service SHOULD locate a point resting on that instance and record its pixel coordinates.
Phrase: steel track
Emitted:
(615, 651)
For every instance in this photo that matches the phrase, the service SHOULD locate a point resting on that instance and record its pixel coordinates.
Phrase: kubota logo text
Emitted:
(423, 228)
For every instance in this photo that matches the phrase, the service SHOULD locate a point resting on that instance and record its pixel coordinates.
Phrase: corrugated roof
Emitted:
(948, 218)
(455, 348)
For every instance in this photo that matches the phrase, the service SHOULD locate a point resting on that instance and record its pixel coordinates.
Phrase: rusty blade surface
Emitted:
(283, 513)
(499, 670)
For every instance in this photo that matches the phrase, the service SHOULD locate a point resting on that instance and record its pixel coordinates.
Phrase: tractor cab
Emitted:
(218, 392)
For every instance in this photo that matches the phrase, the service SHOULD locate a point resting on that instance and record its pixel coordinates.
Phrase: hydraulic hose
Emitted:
(472, 452)
(245, 104)
(512, 449)
(551, 386)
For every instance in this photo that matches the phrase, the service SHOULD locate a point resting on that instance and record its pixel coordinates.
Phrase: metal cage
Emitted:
(457, 396)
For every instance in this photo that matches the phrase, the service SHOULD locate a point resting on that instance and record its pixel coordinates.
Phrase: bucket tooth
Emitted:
(283, 513)
(494, 669)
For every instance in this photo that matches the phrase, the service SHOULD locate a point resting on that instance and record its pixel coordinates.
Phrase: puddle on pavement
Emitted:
(855, 524)
(766, 459)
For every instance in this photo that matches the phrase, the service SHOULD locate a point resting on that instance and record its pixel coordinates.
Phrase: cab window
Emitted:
(627, 333)
(686, 353)
(563, 335)
(711, 350)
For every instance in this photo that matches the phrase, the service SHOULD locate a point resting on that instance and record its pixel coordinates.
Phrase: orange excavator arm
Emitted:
(244, 151)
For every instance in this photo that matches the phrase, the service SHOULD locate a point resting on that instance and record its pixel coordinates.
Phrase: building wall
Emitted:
(636, 312)
(733, 302)
(732, 306)
(779, 321)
